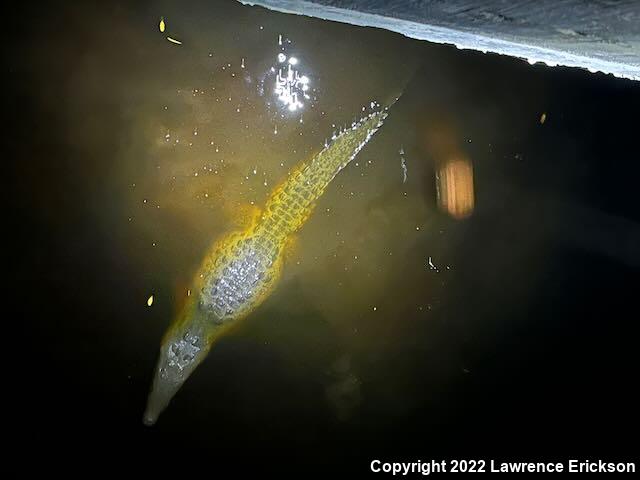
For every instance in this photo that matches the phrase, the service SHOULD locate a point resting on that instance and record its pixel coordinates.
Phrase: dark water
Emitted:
(397, 331)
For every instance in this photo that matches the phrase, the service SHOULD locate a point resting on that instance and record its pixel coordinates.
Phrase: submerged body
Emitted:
(242, 269)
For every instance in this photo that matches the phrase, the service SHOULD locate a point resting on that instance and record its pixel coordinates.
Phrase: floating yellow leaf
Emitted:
(161, 26)
(454, 182)
(543, 117)
(150, 301)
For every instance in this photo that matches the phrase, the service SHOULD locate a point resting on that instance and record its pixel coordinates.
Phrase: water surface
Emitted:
(397, 327)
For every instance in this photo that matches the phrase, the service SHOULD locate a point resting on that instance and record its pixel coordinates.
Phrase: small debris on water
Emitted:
(403, 164)
(432, 265)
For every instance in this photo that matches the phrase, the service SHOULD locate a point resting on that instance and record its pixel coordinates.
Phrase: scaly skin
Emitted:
(242, 269)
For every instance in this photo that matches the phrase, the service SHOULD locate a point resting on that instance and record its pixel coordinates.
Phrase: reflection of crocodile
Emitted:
(242, 269)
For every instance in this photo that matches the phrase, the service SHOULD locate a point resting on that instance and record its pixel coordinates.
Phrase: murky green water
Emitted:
(391, 316)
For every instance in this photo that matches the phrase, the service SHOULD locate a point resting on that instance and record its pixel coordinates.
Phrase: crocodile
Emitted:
(241, 269)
